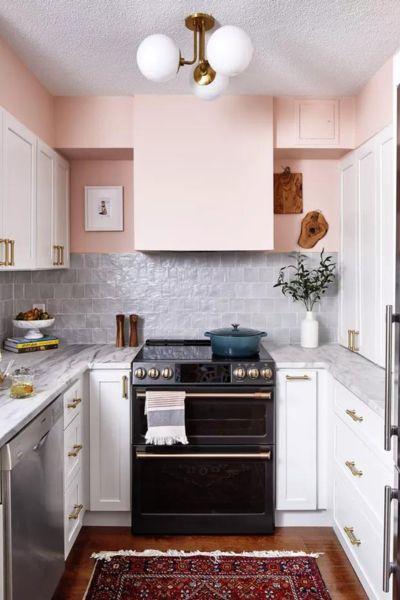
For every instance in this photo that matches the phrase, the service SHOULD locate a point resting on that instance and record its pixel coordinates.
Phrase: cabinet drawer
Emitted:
(363, 540)
(73, 448)
(361, 466)
(361, 420)
(73, 511)
(72, 402)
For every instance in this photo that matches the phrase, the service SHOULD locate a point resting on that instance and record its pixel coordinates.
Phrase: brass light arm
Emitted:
(182, 61)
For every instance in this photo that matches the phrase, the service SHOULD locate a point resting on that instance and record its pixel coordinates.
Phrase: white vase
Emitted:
(309, 331)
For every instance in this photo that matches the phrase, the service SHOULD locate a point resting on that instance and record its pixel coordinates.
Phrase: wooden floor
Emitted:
(336, 570)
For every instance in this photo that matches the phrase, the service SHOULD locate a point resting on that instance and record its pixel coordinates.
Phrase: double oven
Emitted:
(222, 481)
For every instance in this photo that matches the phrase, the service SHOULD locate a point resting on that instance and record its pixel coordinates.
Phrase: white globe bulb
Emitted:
(158, 57)
(212, 90)
(229, 50)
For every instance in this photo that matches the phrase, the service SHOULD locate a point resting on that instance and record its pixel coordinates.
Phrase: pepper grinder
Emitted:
(120, 340)
(133, 338)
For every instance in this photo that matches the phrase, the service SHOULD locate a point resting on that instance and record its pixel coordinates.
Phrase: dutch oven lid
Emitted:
(234, 331)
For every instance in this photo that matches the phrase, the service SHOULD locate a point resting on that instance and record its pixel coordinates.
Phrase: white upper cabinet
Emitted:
(61, 213)
(34, 201)
(314, 123)
(203, 173)
(349, 248)
(45, 205)
(19, 195)
(367, 244)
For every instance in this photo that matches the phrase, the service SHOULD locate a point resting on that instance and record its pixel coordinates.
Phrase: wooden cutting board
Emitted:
(288, 192)
(314, 227)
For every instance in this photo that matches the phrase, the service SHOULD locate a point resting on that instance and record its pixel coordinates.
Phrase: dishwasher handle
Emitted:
(41, 442)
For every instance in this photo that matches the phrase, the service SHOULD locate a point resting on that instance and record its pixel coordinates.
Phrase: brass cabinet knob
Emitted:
(266, 373)
(253, 373)
(154, 373)
(239, 373)
(140, 373)
(167, 373)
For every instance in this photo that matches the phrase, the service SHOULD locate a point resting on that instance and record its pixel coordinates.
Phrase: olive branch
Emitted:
(306, 285)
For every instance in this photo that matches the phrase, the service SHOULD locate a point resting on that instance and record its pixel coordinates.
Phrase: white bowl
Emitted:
(33, 327)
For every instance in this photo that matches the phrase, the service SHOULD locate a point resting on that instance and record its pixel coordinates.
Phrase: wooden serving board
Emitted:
(288, 192)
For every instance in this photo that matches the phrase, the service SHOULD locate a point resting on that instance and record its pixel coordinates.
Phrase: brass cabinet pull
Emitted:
(351, 465)
(76, 511)
(353, 415)
(125, 387)
(351, 344)
(298, 377)
(74, 403)
(56, 261)
(3, 263)
(12, 260)
(349, 531)
(76, 449)
(7, 242)
(62, 255)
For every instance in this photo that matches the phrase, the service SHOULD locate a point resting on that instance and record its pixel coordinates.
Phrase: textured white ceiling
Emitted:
(85, 47)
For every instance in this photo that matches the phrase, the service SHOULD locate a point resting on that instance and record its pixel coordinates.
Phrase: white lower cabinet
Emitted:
(75, 448)
(110, 440)
(360, 474)
(296, 443)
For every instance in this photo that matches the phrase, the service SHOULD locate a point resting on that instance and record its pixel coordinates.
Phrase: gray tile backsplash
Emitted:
(175, 294)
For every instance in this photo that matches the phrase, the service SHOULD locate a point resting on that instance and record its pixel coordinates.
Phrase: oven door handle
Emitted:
(243, 395)
(257, 455)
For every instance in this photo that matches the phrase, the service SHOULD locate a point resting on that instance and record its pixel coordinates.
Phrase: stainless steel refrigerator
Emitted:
(391, 543)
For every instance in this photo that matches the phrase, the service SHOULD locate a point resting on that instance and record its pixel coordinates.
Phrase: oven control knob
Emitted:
(140, 373)
(154, 373)
(266, 373)
(239, 373)
(167, 373)
(253, 373)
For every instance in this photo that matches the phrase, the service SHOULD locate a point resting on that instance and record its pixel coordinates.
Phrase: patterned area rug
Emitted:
(153, 575)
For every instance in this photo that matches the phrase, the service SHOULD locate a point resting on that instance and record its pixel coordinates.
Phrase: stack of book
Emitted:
(21, 345)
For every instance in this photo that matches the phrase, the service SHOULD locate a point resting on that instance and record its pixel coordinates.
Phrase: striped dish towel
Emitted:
(165, 418)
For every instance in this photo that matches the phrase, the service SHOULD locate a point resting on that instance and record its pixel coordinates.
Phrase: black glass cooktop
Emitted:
(188, 350)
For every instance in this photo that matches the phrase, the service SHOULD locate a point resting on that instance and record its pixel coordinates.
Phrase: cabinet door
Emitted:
(368, 248)
(109, 440)
(317, 122)
(45, 187)
(386, 232)
(349, 252)
(61, 210)
(296, 445)
(19, 209)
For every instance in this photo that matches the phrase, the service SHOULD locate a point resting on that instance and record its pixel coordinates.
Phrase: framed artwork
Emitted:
(104, 208)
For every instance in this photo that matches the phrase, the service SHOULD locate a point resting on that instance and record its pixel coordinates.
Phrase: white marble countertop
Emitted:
(362, 377)
(55, 370)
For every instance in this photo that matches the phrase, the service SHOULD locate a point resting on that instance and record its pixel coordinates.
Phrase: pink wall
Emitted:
(24, 96)
(320, 192)
(94, 121)
(374, 104)
(100, 172)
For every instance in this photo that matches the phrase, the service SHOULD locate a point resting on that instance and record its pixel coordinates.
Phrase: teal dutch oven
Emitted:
(233, 342)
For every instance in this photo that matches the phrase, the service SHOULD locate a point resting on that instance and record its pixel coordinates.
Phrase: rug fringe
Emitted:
(105, 555)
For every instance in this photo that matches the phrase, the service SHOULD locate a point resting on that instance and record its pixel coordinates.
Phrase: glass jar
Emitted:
(22, 385)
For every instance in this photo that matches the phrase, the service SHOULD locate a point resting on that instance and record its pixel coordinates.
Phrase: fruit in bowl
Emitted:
(33, 320)
(35, 314)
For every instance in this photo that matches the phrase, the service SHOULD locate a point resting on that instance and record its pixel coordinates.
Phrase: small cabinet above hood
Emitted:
(203, 173)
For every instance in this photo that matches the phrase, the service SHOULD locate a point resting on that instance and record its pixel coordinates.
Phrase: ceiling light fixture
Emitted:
(229, 52)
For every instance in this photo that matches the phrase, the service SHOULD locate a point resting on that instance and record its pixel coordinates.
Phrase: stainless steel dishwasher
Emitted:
(32, 482)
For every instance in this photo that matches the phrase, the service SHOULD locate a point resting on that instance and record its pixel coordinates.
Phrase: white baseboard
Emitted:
(107, 519)
(289, 518)
(303, 518)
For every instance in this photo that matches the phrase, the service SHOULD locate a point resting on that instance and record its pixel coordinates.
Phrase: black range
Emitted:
(223, 480)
